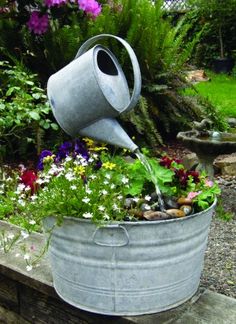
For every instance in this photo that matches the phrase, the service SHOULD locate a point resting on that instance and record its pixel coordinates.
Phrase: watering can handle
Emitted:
(134, 61)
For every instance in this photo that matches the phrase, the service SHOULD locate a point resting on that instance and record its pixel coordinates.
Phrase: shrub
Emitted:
(24, 112)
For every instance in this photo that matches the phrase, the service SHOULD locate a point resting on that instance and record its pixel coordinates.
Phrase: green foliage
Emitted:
(24, 110)
(218, 18)
(222, 213)
(74, 186)
(220, 91)
(162, 49)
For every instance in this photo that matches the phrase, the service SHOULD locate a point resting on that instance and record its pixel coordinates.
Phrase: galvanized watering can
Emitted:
(90, 92)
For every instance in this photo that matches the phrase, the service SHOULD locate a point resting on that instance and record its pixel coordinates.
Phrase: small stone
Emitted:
(136, 212)
(128, 203)
(187, 209)
(175, 212)
(184, 201)
(155, 215)
(154, 196)
(145, 207)
(171, 203)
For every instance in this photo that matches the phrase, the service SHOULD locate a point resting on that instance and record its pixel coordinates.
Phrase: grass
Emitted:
(220, 90)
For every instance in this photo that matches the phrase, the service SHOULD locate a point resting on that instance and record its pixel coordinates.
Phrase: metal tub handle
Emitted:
(98, 241)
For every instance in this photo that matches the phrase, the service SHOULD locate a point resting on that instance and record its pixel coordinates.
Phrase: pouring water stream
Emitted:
(148, 168)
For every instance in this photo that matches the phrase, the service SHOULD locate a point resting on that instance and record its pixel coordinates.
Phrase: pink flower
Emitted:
(209, 183)
(51, 3)
(91, 7)
(38, 23)
(193, 194)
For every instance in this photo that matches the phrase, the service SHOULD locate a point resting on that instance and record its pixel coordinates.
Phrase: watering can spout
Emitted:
(108, 130)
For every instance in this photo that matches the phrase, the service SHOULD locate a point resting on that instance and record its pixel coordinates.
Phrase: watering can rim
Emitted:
(136, 70)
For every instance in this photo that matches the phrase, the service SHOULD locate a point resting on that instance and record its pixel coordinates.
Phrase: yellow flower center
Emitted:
(88, 141)
(79, 169)
(109, 165)
(48, 159)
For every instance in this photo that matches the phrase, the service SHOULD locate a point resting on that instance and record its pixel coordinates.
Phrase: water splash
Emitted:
(142, 158)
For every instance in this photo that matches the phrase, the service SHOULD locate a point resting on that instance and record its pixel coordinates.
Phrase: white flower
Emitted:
(10, 236)
(136, 199)
(115, 207)
(68, 158)
(108, 176)
(112, 186)
(88, 191)
(73, 187)
(106, 182)
(70, 176)
(21, 202)
(17, 255)
(34, 197)
(39, 181)
(86, 200)
(147, 197)
(29, 267)
(26, 256)
(124, 180)
(27, 188)
(106, 217)
(120, 197)
(24, 234)
(32, 222)
(101, 208)
(84, 163)
(20, 188)
(22, 167)
(93, 176)
(104, 192)
(90, 160)
(87, 215)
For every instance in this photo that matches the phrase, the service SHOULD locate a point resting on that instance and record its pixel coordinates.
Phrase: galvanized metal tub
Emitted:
(128, 268)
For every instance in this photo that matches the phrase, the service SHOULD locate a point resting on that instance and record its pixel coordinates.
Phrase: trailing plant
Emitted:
(85, 181)
(24, 111)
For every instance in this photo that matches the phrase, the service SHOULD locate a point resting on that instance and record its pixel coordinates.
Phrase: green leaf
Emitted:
(34, 115)
(46, 125)
(29, 83)
(54, 126)
(36, 95)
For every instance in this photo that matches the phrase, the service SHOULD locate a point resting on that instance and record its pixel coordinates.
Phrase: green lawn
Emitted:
(221, 92)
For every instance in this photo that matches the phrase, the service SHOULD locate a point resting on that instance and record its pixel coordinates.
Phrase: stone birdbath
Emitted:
(208, 145)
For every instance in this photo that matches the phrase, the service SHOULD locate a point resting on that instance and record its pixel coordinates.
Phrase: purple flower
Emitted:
(80, 148)
(38, 23)
(91, 7)
(51, 3)
(98, 165)
(43, 154)
(63, 151)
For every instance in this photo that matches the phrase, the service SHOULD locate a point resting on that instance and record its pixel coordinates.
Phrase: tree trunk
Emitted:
(221, 42)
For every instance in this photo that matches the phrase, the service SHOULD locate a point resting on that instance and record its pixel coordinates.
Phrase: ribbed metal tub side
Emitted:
(129, 268)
